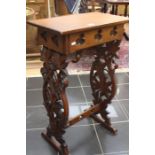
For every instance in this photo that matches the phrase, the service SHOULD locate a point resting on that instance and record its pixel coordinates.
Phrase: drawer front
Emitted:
(94, 37)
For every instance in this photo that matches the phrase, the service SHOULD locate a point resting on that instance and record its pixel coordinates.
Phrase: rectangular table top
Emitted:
(78, 22)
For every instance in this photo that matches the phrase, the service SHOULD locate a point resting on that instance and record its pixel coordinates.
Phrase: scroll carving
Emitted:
(98, 35)
(55, 40)
(44, 35)
(55, 100)
(102, 76)
(114, 31)
(102, 82)
(80, 40)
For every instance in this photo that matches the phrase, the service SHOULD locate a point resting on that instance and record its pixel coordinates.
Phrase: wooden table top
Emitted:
(78, 22)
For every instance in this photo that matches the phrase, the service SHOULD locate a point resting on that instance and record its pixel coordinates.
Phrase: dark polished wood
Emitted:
(94, 33)
(55, 100)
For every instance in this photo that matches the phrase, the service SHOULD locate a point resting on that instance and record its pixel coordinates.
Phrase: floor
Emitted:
(86, 137)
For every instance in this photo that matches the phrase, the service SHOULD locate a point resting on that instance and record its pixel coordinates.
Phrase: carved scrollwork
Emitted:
(114, 31)
(77, 57)
(80, 40)
(102, 76)
(55, 101)
(44, 35)
(54, 39)
(98, 35)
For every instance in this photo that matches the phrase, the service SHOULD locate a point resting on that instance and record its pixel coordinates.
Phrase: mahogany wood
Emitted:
(78, 22)
(93, 109)
(68, 37)
(102, 122)
(100, 39)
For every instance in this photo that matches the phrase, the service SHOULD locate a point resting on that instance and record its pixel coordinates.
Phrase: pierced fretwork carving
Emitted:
(102, 77)
(73, 43)
(77, 57)
(55, 40)
(44, 35)
(114, 31)
(55, 101)
(98, 35)
(80, 40)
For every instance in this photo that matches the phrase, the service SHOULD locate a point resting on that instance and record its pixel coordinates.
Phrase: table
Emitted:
(115, 4)
(64, 40)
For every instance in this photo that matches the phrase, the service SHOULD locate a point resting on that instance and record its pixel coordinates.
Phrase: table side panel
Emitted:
(94, 37)
(67, 44)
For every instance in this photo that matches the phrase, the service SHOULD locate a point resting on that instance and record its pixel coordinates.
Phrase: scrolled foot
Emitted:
(61, 148)
(104, 124)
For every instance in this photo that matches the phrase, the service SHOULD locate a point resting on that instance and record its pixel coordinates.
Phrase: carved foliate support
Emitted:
(102, 76)
(55, 100)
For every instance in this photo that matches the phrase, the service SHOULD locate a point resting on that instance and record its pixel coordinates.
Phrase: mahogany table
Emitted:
(64, 40)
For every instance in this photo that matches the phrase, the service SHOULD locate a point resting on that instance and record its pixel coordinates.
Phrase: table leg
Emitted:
(116, 9)
(104, 8)
(55, 100)
(126, 10)
(113, 9)
(102, 80)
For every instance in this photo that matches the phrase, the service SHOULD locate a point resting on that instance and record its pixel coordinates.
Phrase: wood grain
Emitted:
(79, 22)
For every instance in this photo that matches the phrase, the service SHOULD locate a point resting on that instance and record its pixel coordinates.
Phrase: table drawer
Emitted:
(91, 38)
